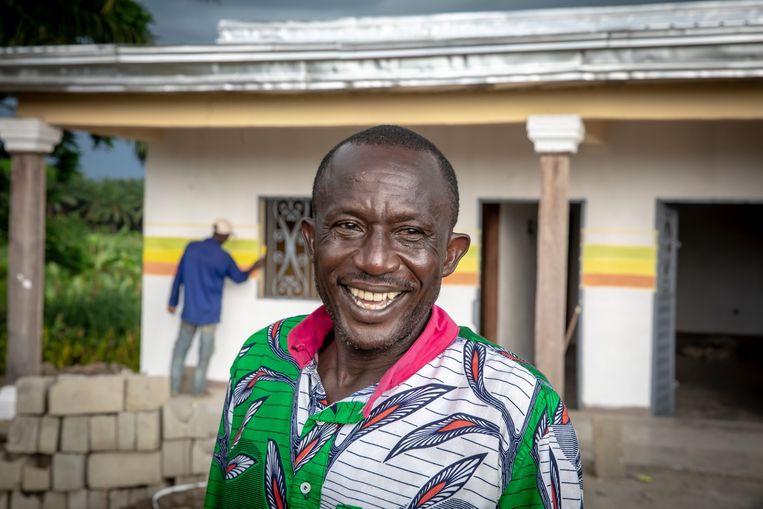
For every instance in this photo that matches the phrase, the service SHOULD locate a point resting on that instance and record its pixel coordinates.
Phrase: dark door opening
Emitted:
(508, 278)
(708, 355)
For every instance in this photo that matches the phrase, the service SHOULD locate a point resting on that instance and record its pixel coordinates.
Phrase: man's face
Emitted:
(381, 243)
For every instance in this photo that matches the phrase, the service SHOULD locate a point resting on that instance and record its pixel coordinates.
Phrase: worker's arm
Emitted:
(176, 284)
(256, 265)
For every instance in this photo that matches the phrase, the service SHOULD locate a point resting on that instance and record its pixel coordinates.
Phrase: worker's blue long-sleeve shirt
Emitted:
(202, 272)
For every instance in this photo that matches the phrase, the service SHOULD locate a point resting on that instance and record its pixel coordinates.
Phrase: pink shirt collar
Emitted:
(306, 338)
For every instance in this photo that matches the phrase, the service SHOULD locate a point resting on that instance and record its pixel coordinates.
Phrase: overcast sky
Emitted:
(195, 22)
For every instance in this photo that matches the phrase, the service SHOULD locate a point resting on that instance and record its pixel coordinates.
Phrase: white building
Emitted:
(671, 98)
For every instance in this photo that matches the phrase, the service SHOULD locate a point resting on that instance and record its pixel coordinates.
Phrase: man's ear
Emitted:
(458, 245)
(308, 233)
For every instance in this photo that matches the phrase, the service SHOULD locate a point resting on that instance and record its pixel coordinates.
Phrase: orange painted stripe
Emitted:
(620, 280)
(462, 278)
(158, 268)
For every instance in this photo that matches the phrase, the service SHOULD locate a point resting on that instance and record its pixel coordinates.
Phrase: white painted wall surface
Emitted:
(517, 271)
(196, 175)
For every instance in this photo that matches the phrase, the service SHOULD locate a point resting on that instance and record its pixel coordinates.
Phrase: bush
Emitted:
(92, 315)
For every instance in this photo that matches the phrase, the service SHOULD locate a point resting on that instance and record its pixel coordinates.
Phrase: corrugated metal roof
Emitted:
(682, 41)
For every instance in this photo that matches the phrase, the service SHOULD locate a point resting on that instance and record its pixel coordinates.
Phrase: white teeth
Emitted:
(372, 300)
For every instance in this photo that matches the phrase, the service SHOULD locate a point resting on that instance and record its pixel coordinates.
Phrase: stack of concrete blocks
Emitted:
(102, 442)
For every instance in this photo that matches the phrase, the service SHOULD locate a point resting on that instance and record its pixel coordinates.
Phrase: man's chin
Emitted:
(366, 345)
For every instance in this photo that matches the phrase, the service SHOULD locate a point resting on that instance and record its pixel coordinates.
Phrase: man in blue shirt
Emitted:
(202, 272)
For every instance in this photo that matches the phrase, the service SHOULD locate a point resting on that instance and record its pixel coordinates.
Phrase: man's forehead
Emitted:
(353, 161)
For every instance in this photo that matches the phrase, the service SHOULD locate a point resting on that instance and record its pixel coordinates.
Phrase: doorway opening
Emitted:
(708, 341)
(508, 279)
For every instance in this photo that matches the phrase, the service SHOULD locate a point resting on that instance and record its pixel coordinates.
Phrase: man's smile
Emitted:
(370, 300)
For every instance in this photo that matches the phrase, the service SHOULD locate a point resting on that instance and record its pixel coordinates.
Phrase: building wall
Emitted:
(194, 176)
(517, 269)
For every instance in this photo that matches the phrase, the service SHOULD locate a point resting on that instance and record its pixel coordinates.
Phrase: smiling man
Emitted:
(378, 399)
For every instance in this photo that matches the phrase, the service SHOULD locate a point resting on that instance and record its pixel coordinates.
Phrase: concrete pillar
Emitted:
(555, 138)
(28, 141)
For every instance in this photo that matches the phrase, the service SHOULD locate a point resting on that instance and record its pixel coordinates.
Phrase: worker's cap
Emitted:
(223, 227)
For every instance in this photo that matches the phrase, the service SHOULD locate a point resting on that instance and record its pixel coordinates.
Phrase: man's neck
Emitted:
(345, 370)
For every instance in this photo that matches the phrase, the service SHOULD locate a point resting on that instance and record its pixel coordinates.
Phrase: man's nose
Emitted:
(376, 256)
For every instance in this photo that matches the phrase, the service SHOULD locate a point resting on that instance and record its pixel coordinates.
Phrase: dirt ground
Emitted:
(656, 488)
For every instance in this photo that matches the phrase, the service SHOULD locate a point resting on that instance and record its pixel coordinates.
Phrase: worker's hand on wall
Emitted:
(171, 309)
(257, 265)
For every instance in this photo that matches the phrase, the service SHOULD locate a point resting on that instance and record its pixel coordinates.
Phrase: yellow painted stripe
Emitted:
(619, 266)
(615, 265)
(162, 254)
(159, 253)
(470, 262)
(648, 253)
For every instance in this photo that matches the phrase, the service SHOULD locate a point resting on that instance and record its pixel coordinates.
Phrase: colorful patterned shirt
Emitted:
(456, 423)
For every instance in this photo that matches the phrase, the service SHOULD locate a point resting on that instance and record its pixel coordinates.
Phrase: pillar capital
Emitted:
(553, 134)
(28, 135)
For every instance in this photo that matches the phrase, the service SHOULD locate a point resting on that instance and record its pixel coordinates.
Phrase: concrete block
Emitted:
(137, 495)
(148, 427)
(119, 499)
(31, 392)
(3, 500)
(176, 457)
(126, 431)
(21, 501)
(10, 473)
(185, 417)
(123, 469)
(68, 472)
(78, 395)
(50, 430)
(97, 499)
(34, 478)
(103, 433)
(146, 392)
(201, 455)
(74, 434)
(191, 479)
(54, 500)
(77, 499)
(23, 435)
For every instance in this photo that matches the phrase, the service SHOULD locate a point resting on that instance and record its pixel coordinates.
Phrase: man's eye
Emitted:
(411, 232)
(348, 225)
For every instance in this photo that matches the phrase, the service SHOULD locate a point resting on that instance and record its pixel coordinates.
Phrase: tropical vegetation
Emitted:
(93, 249)
(93, 242)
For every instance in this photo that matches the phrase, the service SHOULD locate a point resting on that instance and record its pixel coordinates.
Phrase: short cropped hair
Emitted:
(395, 136)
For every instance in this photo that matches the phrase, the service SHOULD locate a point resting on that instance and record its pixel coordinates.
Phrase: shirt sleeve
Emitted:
(233, 272)
(213, 498)
(546, 472)
(177, 282)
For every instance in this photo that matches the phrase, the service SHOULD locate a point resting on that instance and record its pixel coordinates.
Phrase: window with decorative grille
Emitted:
(288, 272)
